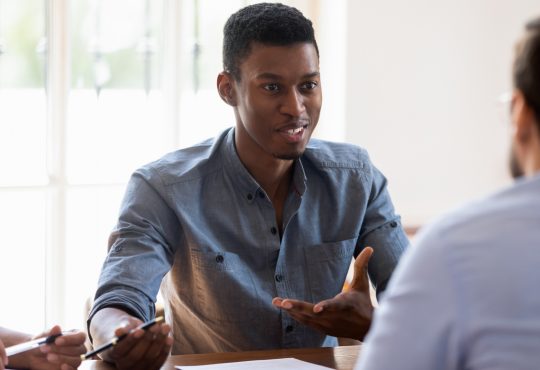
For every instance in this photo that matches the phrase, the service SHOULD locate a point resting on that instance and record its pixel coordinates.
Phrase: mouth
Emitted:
(294, 133)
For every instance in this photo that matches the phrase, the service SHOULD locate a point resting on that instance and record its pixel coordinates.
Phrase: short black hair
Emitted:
(266, 23)
(526, 71)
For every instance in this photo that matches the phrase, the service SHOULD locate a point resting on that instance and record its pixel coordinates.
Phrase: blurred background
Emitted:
(92, 89)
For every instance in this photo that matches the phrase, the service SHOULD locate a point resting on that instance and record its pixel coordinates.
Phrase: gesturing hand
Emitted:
(348, 314)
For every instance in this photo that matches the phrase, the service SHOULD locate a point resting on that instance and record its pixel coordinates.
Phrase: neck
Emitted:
(274, 175)
(531, 162)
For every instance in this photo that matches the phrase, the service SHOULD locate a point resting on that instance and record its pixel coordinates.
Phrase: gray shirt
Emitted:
(199, 219)
(465, 295)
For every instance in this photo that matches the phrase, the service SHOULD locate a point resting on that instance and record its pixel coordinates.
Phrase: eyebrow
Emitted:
(273, 76)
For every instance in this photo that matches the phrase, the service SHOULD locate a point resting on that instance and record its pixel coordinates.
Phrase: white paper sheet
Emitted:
(279, 363)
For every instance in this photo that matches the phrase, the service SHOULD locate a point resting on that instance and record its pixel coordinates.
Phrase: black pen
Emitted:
(115, 340)
(27, 346)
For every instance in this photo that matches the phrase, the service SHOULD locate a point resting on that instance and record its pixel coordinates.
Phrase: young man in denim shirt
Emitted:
(250, 235)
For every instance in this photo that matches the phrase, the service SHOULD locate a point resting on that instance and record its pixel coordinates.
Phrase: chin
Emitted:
(289, 156)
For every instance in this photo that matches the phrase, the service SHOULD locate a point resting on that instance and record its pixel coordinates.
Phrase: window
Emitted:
(90, 90)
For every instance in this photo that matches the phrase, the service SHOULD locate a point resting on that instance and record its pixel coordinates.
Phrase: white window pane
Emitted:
(91, 215)
(114, 43)
(22, 257)
(22, 39)
(23, 137)
(22, 96)
(109, 138)
(116, 119)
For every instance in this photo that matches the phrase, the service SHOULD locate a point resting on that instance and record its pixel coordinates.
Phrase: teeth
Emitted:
(295, 130)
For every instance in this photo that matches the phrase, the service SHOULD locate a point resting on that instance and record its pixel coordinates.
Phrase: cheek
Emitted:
(315, 108)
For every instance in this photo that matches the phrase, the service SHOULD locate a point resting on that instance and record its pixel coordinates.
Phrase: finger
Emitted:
(293, 305)
(360, 281)
(156, 364)
(308, 320)
(70, 339)
(70, 361)
(123, 347)
(333, 304)
(136, 357)
(55, 330)
(70, 351)
(158, 343)
(164, 354)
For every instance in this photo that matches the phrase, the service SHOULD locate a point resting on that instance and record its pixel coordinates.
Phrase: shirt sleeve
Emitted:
(382, 231)
(416, 326)
(142, 249)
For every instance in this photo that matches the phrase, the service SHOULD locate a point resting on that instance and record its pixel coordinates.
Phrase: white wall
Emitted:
(423, 78)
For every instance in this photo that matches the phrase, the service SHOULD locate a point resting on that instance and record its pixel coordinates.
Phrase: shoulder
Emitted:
(327, 154)
(187, 164)
(488, 216)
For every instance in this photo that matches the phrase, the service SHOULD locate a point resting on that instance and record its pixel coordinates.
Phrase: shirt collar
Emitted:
(243, 179)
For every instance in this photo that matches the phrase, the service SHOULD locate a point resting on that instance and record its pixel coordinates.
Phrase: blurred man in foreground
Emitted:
(465, 297)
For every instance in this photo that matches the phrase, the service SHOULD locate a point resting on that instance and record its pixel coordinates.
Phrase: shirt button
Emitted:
(261, 194)
(273, 230)
(219, 258)
(279, 278)
(393, 224)
(250, 196)
(289, 328)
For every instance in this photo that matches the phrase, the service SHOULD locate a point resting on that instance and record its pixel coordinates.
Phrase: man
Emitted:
(255, 221)
(465, 296)
(63, 354)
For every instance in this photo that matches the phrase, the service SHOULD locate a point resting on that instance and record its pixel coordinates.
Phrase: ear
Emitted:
(523, 118)
(226, 88)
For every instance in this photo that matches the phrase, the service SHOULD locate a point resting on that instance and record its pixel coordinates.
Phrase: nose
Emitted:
(293, 103)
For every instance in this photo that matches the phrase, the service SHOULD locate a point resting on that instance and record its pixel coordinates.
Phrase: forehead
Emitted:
(297, 59)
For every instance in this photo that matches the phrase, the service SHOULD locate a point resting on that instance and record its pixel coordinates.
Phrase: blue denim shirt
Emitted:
(197, 224)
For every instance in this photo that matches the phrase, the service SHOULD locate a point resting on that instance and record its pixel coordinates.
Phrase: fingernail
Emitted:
(52, 357)
(317, 309)
(287, 305)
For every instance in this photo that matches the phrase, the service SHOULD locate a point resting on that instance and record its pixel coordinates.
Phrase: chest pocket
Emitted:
(327, 267)
(225, 290)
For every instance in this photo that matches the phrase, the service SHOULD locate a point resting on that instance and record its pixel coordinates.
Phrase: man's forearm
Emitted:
(12, 337)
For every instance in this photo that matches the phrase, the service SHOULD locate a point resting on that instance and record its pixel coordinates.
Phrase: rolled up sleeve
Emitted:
(141, 250)
(382, 230)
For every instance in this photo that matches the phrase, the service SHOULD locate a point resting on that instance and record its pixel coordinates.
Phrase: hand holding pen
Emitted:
(52, 349)
(114, 341)
(137, 345)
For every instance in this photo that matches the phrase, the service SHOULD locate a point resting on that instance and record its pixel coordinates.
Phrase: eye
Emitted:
(271, 87)
(310, 85)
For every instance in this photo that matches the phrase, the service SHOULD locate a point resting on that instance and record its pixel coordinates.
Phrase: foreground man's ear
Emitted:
(225, 86)
(523, 118)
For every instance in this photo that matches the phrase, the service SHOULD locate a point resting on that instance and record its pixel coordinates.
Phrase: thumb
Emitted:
(360, 281)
